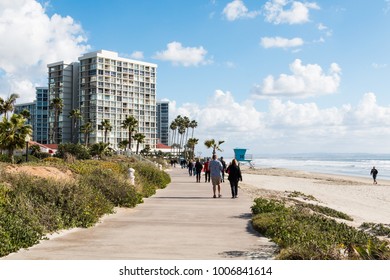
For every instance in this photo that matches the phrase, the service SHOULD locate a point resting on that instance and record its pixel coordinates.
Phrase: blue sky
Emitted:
(273, 76)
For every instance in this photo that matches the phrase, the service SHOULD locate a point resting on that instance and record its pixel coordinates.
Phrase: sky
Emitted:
(274, 76)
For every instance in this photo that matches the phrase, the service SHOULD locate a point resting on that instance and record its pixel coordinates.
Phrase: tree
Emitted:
(213, 144)
(193, 125)
(123, 144)
(192, 142)
(99, 149)
(145, 150)
(7, 105)
(25, 114)
(139, 137)
(130, 123)
(86, 129)
(173, 127)
(106, 127)
(75, 115)
(13, 133)
(56, 105)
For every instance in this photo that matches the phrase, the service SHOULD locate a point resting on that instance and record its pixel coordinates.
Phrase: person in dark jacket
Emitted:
(234, 176)
(374, 173)
(198, 170)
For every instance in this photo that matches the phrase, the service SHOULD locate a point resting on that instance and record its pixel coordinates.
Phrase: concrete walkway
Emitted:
(180, 222)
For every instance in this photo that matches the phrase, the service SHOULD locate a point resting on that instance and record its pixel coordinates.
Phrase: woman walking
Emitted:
(234, 176)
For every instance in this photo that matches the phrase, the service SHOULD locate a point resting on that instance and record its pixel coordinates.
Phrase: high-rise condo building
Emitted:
(63, 84)
(163, 122)
(41, 121)
(113, 88)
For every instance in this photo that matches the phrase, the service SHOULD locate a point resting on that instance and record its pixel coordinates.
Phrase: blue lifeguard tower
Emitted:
(240, 156)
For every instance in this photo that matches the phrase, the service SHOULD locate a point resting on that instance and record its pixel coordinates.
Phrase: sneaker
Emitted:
(220, 195)
(214, 196)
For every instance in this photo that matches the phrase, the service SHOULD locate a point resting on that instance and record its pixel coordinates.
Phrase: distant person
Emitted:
(215, 168)
(198, 170)
(190, 167)
(224, 169)
(234, 176)
(374, 172)
(206, 170)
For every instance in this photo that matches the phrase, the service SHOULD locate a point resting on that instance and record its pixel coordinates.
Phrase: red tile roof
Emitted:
(162, 146)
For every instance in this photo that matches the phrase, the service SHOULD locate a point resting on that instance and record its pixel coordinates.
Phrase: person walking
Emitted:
(198, 170)
(374, 172)
(215, 168)
(190, 167)
(206, 170)
(234, 176)
(224, 169)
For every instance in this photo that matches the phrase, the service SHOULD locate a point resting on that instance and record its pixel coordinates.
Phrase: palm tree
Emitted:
(139, 137)
(182, 131)
(106, 127)
(56, 105)
(130, 123)
(192, 142)
(8, 104)
(213, 144)
(86, 129)
(186, 124)
(193, 125)
(173, 127)
(75, 115)
(99, 149)
(13, 133)
(123, 144)
(25, 114)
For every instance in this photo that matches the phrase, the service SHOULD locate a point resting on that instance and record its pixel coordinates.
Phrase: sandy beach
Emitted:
(355, 196)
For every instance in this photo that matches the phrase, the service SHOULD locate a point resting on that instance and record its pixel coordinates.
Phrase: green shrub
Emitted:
(77, 150)
(328, 211)
(31, 207)
(114, 188)
(265, 206)
(302, 234)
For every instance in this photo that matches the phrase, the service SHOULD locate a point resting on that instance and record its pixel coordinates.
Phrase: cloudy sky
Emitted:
(275, 76)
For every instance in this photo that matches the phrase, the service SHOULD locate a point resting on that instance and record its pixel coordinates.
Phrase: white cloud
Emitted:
(277, 12)
(286, 126)
(386, 9)
(137, 55)
(237, 9)
(30, 39)
(325, 29)
(186, 56)
(379, 65)
(368, 112)
(306, 80)
(279, 42)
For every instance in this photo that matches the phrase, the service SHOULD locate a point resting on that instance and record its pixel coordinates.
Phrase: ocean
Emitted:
(341, 164)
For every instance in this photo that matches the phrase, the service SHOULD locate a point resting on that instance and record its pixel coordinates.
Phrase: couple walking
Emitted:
(216, 170)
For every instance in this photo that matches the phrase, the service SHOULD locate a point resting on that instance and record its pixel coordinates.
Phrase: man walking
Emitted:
(216, 168)
(374, 172)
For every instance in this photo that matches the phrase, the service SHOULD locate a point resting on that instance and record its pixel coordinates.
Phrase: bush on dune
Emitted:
(31, 207)
(303, 234)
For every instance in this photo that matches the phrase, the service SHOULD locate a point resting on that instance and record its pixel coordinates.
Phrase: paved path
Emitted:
(182, 221)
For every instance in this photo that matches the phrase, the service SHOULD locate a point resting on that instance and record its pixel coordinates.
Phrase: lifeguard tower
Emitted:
(240, 156)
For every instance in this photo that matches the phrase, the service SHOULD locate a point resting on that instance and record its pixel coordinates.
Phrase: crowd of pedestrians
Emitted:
(214, 171)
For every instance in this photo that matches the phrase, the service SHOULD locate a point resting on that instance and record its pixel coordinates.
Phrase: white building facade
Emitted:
(113, 88)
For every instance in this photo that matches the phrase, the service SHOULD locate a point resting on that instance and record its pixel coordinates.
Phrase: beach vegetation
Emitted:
(376, 229)
(302, 195)
(327, 211)
(32, 206)
(304, 234)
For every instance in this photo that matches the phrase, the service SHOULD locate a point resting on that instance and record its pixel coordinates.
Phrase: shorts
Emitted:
(216, 180)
